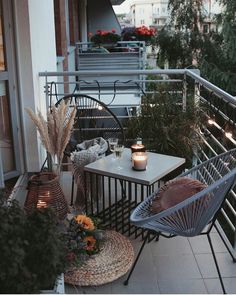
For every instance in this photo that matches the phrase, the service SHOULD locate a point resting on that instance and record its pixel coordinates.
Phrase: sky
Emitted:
(123, 8)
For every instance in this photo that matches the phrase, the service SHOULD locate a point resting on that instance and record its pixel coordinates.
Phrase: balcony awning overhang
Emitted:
(116, 2)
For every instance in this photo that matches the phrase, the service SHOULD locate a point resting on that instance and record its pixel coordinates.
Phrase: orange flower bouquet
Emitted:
(83, 239)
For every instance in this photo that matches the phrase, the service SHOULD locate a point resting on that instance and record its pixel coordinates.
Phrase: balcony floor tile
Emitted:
(182, 286)
(214, 287)
(200, 244)
(208, 269)
(176, 245)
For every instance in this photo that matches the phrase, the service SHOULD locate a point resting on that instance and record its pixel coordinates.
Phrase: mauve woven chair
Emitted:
(190, 217)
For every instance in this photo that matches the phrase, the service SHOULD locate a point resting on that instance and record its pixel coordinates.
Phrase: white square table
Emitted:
(112, 193)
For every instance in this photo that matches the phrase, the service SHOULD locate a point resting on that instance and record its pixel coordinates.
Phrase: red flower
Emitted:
(99, 32)
(113, 31)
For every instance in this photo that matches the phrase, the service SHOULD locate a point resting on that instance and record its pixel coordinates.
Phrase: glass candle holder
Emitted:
(139, 161)
(137, 147)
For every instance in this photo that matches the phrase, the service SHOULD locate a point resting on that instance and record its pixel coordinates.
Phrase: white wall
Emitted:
(83, 20)
(36, 52)
(101, 16)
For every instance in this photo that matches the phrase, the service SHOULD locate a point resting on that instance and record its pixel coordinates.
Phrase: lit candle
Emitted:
(41, 204)
(137, 148)
(139, 161)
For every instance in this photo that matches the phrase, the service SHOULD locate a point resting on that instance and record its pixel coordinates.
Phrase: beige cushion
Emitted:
(174, 192)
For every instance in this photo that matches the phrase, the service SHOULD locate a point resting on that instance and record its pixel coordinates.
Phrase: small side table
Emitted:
(112, 194)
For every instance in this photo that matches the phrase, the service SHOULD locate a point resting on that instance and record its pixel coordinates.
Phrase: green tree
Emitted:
(213, 53)
(186, 15)
(218, 59)
(180, 41)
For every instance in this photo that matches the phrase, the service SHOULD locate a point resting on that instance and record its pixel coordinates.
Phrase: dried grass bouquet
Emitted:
(55, 132)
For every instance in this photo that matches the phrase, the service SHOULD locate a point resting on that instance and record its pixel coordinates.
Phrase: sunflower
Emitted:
(91, 243)
(85, 221)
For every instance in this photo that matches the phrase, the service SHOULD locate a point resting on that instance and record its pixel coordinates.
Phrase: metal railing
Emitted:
(123, 55)
(217, 131)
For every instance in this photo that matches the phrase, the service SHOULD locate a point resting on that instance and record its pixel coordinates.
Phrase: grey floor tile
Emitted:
(182, 286)
(208, 269)
(104, 289)
(136, 286)
(176, 245)
(69, 289)
(214, 286)
(176, 266)
(200, 244)
(145, 266)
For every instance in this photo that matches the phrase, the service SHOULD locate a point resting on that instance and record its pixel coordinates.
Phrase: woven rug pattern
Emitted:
(113, 261)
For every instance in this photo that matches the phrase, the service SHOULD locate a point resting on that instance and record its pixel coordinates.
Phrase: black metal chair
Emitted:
(190, 217)
(93, 119)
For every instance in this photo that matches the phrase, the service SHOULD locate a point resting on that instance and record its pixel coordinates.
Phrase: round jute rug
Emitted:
(113, 261)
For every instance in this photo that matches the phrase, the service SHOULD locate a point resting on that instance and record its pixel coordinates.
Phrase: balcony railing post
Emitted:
(47, 92)
(196, 93)
(184, 100)
(1, 172)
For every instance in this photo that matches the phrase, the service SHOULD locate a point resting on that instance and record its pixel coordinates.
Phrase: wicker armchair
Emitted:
(190, 217)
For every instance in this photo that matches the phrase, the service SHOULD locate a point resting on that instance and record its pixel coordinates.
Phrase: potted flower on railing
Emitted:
(142, 33)
(105, 38)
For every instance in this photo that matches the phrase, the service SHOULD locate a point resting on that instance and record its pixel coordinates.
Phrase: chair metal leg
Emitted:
(72, 191)
(216, 263)
(136, 260)
(226, 246)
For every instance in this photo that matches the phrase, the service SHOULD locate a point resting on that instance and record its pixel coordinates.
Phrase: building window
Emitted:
(205, 29)
(142, 22)
(163, 9)
(141, 11)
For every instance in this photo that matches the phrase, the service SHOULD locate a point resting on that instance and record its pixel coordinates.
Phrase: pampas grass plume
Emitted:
(55, 132)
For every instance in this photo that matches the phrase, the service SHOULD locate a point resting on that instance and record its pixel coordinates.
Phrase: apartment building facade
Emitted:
(155, 12)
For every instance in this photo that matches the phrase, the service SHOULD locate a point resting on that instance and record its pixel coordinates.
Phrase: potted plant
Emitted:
(142, 33)
(109, 38)
(164, 127)
(44, 188)
(55, 131)
(32, 249)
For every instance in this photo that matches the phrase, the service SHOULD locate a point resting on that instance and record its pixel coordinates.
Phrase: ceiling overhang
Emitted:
(116, 2)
